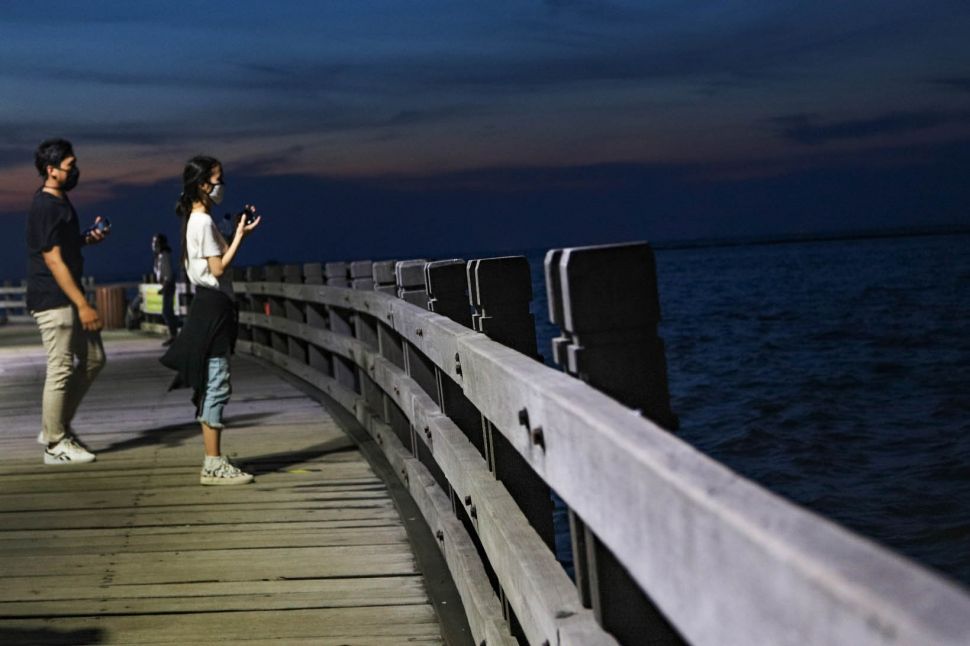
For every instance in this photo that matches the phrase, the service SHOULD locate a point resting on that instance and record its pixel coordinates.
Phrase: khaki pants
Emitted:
(67, 380)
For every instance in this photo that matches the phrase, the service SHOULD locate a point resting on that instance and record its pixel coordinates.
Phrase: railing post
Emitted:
(313, 273)
(316, 317)
(365, 329)
(392, 348)
(277, 307)
(259, 305)
(444, 281)
(410, 282)
(500, 291)
(244, 302)
(362, 274)
(446, 284)
(383, 276)
(341, 322)
(295, 311)
(605, 300)
(411, 288)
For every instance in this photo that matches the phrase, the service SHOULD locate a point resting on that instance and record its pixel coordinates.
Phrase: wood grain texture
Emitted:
(131, 549)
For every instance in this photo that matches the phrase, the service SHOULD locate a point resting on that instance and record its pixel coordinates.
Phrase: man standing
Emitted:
(69, 326)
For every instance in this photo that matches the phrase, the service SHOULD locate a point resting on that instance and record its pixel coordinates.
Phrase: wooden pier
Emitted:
(131, 549)
(431, 369)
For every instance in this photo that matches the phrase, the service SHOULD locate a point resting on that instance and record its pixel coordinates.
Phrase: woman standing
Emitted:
(201, 352)
(165, 278)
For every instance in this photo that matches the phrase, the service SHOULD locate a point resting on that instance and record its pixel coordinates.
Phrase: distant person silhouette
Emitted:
(162, 268)
(200, 354)
(69, 326)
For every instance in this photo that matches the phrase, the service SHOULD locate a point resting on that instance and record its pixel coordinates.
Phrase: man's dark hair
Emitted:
(52, 152)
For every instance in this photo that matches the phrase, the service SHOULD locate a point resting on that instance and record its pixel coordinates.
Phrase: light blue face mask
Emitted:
(216, 193)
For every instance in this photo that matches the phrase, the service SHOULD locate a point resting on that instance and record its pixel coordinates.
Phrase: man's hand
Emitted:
(96, 235)
(90, 320)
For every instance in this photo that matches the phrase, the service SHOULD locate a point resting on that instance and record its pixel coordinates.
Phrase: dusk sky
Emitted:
(370, 129)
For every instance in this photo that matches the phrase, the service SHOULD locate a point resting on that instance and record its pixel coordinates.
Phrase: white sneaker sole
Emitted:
(216, 481)
(58, 461)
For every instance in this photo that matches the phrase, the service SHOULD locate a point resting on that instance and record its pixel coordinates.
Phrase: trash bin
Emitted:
(110, 302)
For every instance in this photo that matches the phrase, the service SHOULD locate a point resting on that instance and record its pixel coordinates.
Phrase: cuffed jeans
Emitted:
(217, 391)
(74, 358)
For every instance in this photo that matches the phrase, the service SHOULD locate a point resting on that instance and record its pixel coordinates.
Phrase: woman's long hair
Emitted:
(197, 171)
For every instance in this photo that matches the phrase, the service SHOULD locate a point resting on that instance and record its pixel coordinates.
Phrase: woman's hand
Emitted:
(243, 229)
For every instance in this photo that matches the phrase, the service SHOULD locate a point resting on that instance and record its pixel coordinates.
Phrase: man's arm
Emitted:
(62, 275)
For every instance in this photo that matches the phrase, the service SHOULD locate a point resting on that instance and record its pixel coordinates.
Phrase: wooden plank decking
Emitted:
(131, 549)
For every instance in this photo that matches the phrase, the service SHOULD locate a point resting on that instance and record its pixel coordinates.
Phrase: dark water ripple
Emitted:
(836, 374)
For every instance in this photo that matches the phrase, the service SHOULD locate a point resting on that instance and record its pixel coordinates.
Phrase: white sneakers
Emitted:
(219, 471)
(215, 470)
(68, 451)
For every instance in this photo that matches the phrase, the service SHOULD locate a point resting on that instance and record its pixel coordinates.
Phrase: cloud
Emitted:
(493, 209)
(561, 42)
(809, 129)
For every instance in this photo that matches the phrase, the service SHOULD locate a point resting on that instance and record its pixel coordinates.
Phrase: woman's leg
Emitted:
(217, 391)
(216, 470)
(210, 438)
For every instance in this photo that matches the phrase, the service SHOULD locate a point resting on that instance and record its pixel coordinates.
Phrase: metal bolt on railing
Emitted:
(537, 437)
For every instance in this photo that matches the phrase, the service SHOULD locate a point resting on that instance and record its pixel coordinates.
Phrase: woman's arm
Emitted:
(219, 264)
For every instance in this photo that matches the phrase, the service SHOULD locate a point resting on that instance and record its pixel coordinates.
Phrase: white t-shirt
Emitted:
(203, 240)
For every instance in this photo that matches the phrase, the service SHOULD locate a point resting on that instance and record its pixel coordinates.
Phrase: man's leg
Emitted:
(89, 350)
(56, 331)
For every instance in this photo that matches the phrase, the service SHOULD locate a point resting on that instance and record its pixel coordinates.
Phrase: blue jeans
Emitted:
(217, 391)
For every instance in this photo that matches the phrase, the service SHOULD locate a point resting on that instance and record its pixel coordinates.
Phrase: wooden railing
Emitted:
(669, 546)
(13, 300)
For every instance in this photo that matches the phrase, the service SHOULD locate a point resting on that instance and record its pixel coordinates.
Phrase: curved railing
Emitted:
(670, 546)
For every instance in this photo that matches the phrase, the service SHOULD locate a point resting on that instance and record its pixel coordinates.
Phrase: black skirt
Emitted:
(210, 330)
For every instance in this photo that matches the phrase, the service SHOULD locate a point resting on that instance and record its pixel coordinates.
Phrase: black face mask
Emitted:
(72, 176)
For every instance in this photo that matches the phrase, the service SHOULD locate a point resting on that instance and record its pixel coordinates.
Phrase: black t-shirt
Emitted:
(52, 221)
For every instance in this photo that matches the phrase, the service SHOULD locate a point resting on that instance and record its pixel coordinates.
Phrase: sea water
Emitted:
(836, 374)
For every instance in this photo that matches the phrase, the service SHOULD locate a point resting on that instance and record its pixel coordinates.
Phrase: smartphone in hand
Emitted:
(101, 226)
(249, 213)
